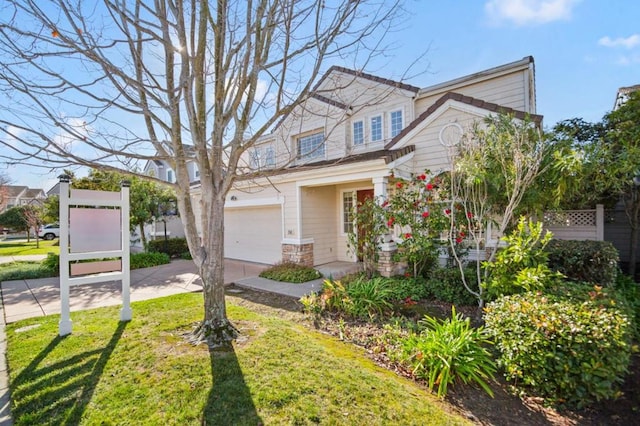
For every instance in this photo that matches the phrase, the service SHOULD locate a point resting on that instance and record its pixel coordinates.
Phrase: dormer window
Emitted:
(376, 128)
(311, 146)
(395, 118)
(262, 157)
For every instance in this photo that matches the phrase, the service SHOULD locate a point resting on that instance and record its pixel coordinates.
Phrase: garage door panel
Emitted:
(253, 234)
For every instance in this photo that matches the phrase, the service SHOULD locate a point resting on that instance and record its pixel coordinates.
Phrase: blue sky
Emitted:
(583, 50)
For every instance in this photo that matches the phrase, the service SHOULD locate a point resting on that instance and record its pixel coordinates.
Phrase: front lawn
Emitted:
(144, 372)
(22, 248)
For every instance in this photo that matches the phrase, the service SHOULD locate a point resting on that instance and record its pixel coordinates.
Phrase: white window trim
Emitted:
(353, 134)
(381, 128)
(354, 198)
(402, 125)
(296, 143)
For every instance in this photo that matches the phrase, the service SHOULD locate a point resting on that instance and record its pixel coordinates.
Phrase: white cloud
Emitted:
(628, 60)
(628, 42)
(76, 129)
(529, 12)
(13, 133)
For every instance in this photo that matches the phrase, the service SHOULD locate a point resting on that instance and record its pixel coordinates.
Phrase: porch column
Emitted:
(387, 248)
(380, 188)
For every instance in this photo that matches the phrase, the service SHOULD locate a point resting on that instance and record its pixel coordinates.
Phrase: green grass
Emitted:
(143, 372)
(21, 248)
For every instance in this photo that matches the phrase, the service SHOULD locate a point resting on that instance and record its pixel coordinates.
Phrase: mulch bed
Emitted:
(505, 408)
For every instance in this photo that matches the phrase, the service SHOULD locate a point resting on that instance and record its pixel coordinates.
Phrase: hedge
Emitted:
(586, 261)
(571, 347)
(174, 247)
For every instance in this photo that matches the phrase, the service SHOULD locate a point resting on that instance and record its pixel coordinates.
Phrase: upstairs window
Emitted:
(376, 128)
(170, 176)
(262, 157)
(311, 146)
(269, 157)
(396, 122)
(358, 133)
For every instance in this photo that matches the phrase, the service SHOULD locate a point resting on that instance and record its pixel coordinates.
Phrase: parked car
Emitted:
(49, 232)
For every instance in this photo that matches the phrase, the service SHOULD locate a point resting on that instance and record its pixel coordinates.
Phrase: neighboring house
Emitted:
(163, 170)
(171, 226)
(623, 95)
(346, 143)
(21, 196)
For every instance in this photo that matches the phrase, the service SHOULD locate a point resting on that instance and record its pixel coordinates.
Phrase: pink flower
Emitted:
(425, 214)
(447, 212)
(469, 215)
(407, 235)
(462, 234)
(399, 185)
(422, 177)
(385, 203)
(429, 187)
(459, 240)
(390, 221)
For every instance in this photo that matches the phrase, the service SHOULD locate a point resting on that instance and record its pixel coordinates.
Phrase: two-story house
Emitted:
(344, 144)
(14, 196)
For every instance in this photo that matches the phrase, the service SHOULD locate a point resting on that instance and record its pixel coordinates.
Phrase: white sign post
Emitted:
(94, 226)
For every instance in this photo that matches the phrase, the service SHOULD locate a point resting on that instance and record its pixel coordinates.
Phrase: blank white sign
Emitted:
(94, 229)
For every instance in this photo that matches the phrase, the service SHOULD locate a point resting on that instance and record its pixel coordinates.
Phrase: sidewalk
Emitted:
(39, 297)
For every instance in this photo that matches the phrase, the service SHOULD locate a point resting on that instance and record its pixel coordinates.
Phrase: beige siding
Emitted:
(318, 222)
(507, 90)
(430, 154)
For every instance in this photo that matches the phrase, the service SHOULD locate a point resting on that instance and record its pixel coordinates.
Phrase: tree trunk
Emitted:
(215, 329)
(143, 237)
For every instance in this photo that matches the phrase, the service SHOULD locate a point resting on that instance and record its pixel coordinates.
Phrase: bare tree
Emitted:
(111, 84)
(4, 192)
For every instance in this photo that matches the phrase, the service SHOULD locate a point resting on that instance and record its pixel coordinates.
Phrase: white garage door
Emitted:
(253, 234)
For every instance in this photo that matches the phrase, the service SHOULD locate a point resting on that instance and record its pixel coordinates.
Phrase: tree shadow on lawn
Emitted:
(229, 401)
(58, 393)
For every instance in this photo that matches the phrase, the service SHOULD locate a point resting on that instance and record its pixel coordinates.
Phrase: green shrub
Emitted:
(369, 297)
(446, 284)
(24, 271)
(446, 350)
(402, 288)
(52, 263)
(290, 272)
(147, 260)
(521, 266)
(186, 256)
(174, 247)
(571, 347)
(363, 298)
(588, 261)
(629, 291)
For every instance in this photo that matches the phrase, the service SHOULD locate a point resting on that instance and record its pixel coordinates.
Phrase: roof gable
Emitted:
(366, 76)
(468, 100)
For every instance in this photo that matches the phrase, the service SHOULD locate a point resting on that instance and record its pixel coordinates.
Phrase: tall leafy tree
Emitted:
(110, 83)
(610, 151)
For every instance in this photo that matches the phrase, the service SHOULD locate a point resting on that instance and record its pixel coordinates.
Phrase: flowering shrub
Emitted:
(420, 210)
(572, 346)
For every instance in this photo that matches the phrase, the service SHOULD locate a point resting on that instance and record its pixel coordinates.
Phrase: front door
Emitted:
(362, 196)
